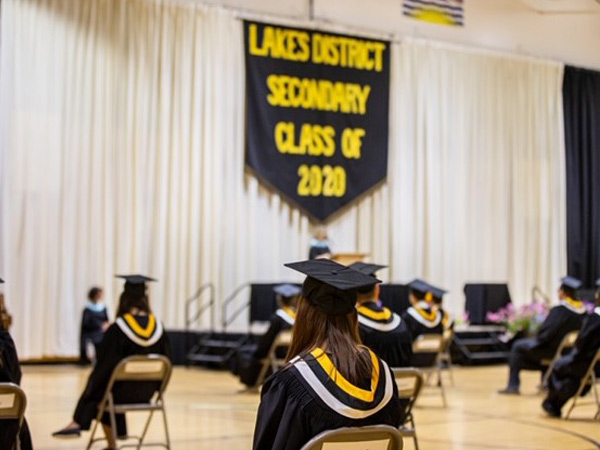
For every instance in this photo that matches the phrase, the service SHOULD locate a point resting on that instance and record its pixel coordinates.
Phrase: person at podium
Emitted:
(382, 330)
(249, 359)
(319, 245)
(528, 353)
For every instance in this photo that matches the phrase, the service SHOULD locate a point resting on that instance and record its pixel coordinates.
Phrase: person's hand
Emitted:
(105, 326)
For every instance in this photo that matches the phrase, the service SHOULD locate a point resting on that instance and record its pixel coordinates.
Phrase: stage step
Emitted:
(215, 350)
(479, 345)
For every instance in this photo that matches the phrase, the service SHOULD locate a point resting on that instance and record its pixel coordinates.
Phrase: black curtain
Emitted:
(581, 97)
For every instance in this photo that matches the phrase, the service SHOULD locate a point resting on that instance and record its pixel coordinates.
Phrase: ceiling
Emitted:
(563, 6)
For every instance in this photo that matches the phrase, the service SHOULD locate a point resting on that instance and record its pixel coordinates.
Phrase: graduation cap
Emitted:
(437, 292)
(331, 287)
(136, 283)
(419, 286)
(571, 282)
(287, 290)
(366, 268)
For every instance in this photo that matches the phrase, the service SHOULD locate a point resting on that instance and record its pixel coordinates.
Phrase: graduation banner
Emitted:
(317, 114)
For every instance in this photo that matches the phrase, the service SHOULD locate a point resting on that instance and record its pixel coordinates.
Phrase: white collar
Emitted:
(597, 310)
(576, 309)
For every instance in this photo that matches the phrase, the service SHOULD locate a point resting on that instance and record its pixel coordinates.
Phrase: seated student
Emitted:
(331, 380)
(437, 299)
(93, 323)
(136, 331)
(422, 318)
(382, 330)
(10, 372)
(248, 361)
(527, 353)
(571, 368)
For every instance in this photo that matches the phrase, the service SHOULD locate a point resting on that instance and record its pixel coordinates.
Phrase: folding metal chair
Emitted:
(591, 380)
(13, 403)
(272, 361)
(132, 370)
(444, 358)
(567, 342)
(409, 382)
(429, 344)
(380, 437)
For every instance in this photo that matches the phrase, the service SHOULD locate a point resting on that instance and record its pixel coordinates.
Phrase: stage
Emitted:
(206, 412)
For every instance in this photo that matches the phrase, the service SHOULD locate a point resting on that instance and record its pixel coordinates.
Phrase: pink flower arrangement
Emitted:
(526, 318)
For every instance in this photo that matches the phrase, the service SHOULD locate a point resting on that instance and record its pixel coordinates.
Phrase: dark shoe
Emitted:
(67, 433)
(550, 409)
(509, 391)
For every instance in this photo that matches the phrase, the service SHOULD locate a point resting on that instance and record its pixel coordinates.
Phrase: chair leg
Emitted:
(164, 414)
(141, 439)
(416, 441)
(95, 427)
(442, 390)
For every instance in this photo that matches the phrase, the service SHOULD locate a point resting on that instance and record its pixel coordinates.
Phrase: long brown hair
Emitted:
(130, 300)
(338, 336)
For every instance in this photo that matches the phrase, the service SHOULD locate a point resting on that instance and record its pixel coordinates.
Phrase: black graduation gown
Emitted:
(423, 319)
(384, 332)
(91, 329)
(571, 368)
(529, 352)
(10, 372)
(248, 359)
(129, 335)
(317, 249)
(302, 400)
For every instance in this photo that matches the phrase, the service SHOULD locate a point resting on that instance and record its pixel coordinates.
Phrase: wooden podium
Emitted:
(348, 258)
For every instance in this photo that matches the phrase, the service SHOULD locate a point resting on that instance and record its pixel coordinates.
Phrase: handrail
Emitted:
(202, 308)
(536, 291)
(225, 320)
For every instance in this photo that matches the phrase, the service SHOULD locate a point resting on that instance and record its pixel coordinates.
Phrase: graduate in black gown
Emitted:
(94, 323)
(331, 380)
(571, 368)
(248, 361)
(528, 353)
(382, 330)
(136, 331)
(10, 372)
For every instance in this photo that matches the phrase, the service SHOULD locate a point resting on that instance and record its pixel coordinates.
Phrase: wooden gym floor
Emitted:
(205, 411)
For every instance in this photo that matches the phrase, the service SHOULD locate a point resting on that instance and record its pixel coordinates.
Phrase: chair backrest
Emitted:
(378, 437)
(447, 339)
(409, 382)
(569, 340)
(142, 368)
(13, 402)
(428, 343)
(283, 340)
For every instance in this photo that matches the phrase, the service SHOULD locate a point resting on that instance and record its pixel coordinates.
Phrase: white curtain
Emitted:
(121, 133)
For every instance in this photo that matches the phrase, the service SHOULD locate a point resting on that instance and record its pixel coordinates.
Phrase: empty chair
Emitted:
(431, 344)
(147, 373)
(13, 403)
(567, 343)
(409, 382)
(363, 438)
